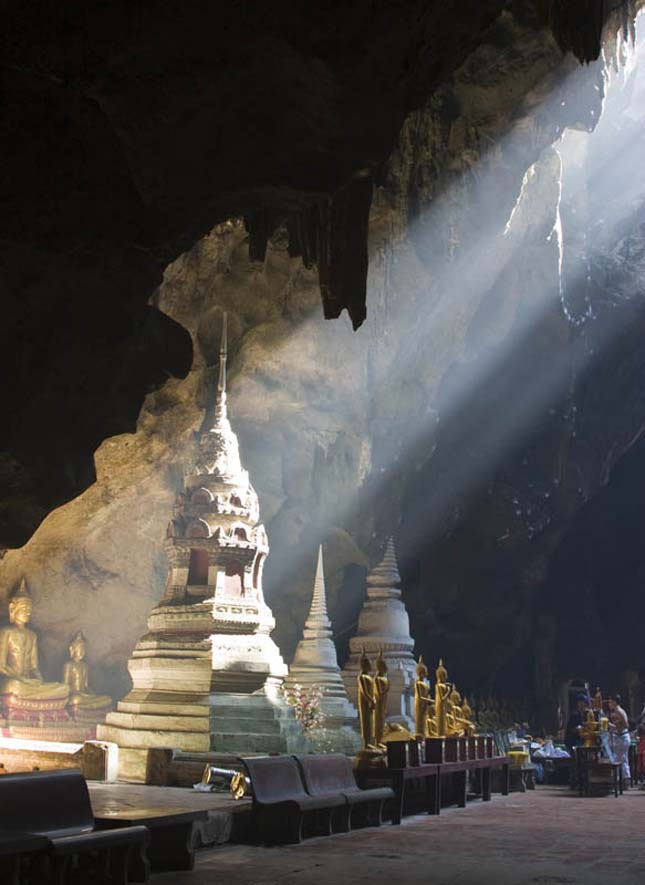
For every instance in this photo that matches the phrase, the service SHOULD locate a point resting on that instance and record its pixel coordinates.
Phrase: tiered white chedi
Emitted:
(206, 674)
(384, 625)
(315, 662)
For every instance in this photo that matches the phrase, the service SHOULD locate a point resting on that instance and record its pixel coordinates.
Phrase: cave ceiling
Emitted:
(130, 130)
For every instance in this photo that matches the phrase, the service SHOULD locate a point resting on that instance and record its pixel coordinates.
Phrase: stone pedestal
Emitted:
(41, 720)
(383, 625)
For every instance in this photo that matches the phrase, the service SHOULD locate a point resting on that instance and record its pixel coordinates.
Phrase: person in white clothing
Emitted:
(620, 737)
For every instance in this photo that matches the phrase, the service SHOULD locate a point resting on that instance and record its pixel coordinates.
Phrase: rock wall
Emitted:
(461, 417)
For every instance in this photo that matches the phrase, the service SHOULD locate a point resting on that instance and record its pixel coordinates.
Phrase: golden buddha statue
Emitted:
(366, 702)
(381, 690)
(590, 730)
(442, 699)
(19, 673)
(431, 721)
(459, 715)
(421, 700)
(455, 725)
(467, 715)
(75, 675)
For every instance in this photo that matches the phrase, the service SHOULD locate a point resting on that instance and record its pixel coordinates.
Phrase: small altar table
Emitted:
(433, 774)
(397, 778)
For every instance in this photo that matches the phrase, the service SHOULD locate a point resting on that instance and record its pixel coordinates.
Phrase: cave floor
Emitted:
(546, 836)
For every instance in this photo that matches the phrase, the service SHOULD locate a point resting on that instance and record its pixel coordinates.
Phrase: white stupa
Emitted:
(384, 626)
(315, 662)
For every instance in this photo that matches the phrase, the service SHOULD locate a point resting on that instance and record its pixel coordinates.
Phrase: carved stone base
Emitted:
(93, 716)
(33, 712)
(66, 731)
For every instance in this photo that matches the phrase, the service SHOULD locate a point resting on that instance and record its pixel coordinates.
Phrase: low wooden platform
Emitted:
(226, 820)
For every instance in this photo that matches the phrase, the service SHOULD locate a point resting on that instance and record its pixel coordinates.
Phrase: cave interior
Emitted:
(427, 230)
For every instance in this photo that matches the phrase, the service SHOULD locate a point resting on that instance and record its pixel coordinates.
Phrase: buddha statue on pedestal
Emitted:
(20, 677)
(441, 699)
(83, 703)
(381, 690)
(421, 700)
(366, 702)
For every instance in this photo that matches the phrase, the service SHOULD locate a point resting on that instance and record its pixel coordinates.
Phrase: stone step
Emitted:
(260, 714)
(223, 742)
(241, 724)
(154, 722)
(234, 699)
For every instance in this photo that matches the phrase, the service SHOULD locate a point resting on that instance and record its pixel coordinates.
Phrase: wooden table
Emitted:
(459, 771)
(588, 763)
(170, 823)
(397, 778)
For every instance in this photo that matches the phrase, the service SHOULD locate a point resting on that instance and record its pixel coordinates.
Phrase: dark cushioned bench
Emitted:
(20, 855)
(283, 810)
(56, 805)
(333, 774)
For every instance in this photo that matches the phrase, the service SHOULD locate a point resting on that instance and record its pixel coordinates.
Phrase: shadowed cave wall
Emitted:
(352, 436)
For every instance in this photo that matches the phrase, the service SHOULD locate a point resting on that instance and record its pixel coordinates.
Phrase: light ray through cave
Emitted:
(504, 408)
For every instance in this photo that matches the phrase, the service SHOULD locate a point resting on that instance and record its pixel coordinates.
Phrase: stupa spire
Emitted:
(318, 624)
(220, 400)
(315, 663)
(385, 580)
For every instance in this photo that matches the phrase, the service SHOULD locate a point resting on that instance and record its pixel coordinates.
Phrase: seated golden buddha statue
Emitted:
(20, 677)
(467, 716)
(75, 675)
(455, 723)
(461, 714)
(432, 721)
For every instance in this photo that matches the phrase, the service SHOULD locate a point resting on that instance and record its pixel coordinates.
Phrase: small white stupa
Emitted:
(315, 662)
(384, 626)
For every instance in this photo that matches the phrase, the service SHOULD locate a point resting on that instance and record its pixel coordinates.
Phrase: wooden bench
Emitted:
(283, 810)
(20, 855)
(56, 805)
(332, 774)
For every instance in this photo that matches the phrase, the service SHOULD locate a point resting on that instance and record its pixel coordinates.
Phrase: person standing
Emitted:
(620, 737)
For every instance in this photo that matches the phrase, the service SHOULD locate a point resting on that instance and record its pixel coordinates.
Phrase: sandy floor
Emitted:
(548, 836)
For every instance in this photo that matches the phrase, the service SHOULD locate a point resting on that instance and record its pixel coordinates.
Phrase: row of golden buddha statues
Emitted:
(443, 715)
(25, 697)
